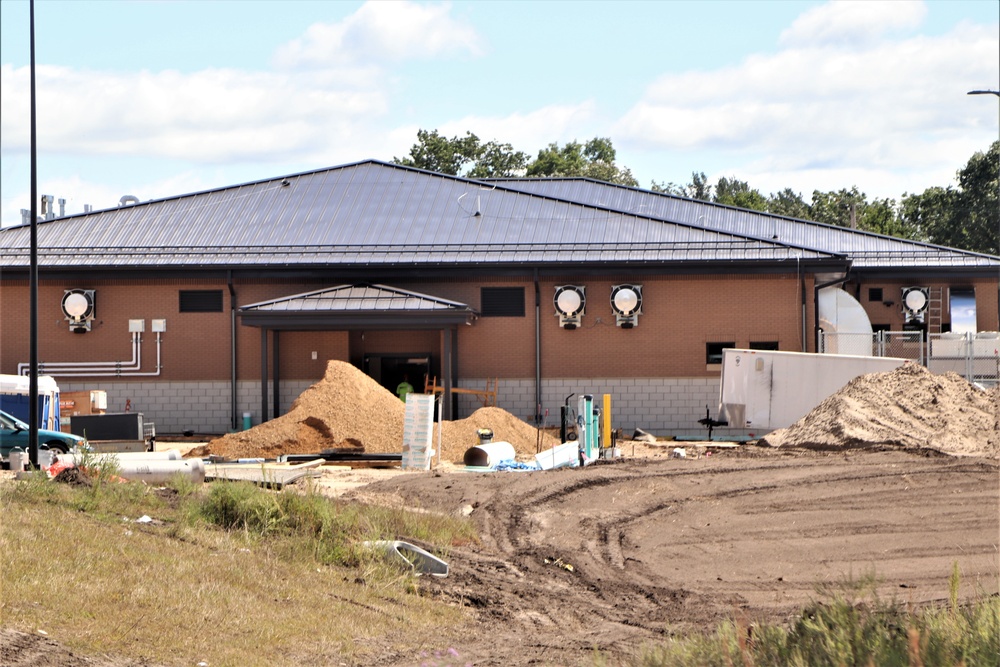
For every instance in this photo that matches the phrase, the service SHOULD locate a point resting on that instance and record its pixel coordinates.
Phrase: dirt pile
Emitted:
(347, 409)
(909, 407)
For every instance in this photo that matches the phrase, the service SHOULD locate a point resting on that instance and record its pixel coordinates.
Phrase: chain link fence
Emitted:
(974, 356)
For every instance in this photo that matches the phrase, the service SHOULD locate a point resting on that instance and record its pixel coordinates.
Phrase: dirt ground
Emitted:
(619, 555)
(897, 476)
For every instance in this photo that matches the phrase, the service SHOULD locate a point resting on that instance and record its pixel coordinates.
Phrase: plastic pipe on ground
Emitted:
(490, 454)
(167, 455)
(153, 471)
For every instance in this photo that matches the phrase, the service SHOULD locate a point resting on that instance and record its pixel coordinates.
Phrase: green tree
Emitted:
(595, 159)
(788, 203)
(464, 156)
(734, 192)
(698, 188)
(966, 217)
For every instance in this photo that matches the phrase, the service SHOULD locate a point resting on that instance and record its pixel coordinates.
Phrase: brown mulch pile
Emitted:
(908, 407)
(347, 409)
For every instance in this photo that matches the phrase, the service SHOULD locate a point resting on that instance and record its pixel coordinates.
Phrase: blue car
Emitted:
(14, 433)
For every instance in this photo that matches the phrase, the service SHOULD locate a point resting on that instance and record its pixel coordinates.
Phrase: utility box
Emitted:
(763, 390)
(114, 432)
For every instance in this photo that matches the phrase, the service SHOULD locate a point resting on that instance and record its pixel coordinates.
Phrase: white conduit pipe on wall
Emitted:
(101, 368)
(133, 365)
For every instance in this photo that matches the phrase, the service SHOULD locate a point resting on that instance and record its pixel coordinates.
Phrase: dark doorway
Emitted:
(392, 368)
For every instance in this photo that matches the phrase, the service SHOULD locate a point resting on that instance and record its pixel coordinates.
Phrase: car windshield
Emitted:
(12, 423)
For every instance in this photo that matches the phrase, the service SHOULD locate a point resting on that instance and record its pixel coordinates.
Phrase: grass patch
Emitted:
(226, 574)
(851, 627)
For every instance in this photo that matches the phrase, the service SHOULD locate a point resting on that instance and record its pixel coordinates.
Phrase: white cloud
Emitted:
(852, 22)
(532, 130)
(382, 32)
(215, 115)
(832, 107)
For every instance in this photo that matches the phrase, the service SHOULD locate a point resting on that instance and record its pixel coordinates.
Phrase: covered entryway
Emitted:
(357, 307)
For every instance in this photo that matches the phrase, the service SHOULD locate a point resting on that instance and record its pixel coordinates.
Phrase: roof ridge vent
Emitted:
(128, 199)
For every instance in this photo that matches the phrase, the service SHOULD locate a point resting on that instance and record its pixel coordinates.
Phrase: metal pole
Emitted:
(33, 270)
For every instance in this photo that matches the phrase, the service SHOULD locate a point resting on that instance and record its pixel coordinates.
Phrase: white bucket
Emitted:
(17, 459)
(45, 458)
(560, 456)
(489, 454)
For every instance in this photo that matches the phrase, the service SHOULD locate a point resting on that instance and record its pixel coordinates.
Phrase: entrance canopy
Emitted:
(360, 306)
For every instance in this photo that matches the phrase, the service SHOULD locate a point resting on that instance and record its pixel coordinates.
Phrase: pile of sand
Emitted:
(349, 410)
(909, 407)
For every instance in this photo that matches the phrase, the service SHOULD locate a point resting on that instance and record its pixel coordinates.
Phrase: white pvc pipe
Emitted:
(168, 455)
(110, 369)
(134, 364)
(490, 454)
(152, 471)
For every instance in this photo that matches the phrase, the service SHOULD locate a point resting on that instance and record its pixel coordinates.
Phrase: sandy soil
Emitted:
(897, 475)
(622, 554)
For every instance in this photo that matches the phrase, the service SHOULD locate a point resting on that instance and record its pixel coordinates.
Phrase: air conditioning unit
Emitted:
(78, 307)
(626, 301)
(914, 302)
(571, 303)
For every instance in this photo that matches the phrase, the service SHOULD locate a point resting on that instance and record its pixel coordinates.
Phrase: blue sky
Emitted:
(156, 98)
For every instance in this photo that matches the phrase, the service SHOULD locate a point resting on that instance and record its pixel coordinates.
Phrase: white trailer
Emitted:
(763, 390)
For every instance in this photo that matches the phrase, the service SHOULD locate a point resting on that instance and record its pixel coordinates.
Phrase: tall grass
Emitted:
(276, 574)
(853, 627)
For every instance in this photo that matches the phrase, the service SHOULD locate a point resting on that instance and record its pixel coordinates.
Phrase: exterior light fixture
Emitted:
(570, 302)
(78, 307)
(915, 301)
(626, 301)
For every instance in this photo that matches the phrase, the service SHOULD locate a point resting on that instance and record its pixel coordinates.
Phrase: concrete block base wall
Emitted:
(662, 406)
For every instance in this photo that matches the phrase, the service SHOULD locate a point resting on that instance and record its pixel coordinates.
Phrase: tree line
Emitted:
(964, 216)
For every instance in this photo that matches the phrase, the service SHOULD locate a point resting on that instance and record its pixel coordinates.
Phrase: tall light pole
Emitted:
(997, 93)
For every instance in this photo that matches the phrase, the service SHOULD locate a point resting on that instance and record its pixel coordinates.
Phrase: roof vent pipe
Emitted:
(128, 199)
(47, 202)
(87, 208)
(62, 207)
(25, 216)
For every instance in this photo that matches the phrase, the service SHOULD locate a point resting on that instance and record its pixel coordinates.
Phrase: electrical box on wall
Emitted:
(159, 326)
(136, 326)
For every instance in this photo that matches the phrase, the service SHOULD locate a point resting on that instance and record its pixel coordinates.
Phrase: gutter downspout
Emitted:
(538, 351)
(232, 349)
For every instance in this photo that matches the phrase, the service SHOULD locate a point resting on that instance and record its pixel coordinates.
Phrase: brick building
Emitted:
(198, 308)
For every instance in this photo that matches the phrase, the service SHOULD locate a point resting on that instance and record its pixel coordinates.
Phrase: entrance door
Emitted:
(390, 369)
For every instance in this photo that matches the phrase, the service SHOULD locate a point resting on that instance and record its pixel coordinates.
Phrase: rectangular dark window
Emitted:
(502, 301)
(201, 301)
(764, 345)
(875, 294)
(713, 352)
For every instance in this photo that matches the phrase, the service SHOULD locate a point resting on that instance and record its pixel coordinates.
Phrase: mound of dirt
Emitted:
(347, 409)
(909, 407)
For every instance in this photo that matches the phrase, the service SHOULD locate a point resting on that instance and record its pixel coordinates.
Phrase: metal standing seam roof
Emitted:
(377, 214)
(358, 304)
(867, 250)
